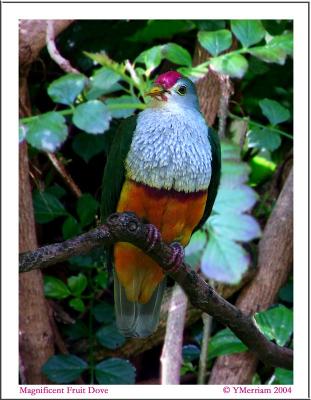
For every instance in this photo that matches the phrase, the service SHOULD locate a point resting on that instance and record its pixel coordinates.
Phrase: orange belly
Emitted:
(175, 214)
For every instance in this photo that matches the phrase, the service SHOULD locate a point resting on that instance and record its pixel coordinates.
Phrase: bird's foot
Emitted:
(177, 256)
(153, 237)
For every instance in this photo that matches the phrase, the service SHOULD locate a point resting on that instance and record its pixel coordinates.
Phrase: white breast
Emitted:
(170, 150)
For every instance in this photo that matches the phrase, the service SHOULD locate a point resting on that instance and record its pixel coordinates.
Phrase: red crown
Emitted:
(168, 79)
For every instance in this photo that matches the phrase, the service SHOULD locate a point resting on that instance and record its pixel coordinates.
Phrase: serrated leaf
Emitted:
(87, 207)
(77, 304)
(102, 82)
(77, 284)
(215, 42)
(47, 207)
(176, 54)
(224, 342)
(92, 117)
(248, 32)
(274, 111)
(190, 352)
(47, 131)
(239, 227)
(102, 279)
(103, 312)
(276, 323)
(224, 260)
(122, 113)
(65, 89)
(233, 65)
(64, 368)
(240, 199)
(115, 371)
(263, 138)
(110, 337)
(88, 146)
(70, 228)
(283, 376)
(55, 288)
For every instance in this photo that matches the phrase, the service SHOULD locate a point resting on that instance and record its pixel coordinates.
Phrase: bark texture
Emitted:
(274, 265)
(36, 341)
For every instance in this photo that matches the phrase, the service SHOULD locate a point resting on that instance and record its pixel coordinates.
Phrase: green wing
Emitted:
(114, 173)
(215, 178)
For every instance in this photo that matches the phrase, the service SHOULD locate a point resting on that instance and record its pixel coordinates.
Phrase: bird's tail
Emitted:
(135, 319)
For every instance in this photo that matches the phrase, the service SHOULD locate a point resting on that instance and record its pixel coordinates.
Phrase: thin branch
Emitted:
(53, 51)
(126, 227)
(226, 91)
(59, 166)
(171, 357)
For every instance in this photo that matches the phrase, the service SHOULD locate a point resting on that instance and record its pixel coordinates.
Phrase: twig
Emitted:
(126, 227)
(59, 166)
(171, 357)
(207, 323)
(53, 51)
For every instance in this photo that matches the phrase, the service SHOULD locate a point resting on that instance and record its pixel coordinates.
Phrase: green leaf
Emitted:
(88, 146)
(238, 199)
(160, 29)
(64, 368)
(176, 54)
(224, 342)
(276, 323)
(248, 31)
(70, 228)
(274, 111)
(239, 227)
(103, 312)
(190, 352)
(47, 131)
(286, 292)
(92, 117)
(262, 169)
(83, 261)
(87, 207)
(215, 42)
(115, 371)
(151, 58)
(102, 82)
(77, 284)
(269, 54)
(233, 65)
(56, 190)
(102, 279)
(224, 260)
(110, 337)
(55, 288)
(122, 113)
(77, 304)
(284, 42)
(47, 207)
(263, 138)
(65, 89)
(283, 377)
(76, 331)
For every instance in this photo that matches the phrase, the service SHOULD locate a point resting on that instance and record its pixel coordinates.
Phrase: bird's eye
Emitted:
(182, 90)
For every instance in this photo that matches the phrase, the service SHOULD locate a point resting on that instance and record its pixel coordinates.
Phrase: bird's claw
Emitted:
(153, 237)
(177, 256)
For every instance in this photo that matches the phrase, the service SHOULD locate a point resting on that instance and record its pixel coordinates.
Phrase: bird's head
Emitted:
(173, 89)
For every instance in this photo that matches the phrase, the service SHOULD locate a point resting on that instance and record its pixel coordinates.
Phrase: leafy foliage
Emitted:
(77, 118)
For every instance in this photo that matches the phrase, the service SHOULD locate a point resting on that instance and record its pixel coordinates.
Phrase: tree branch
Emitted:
(126, 227)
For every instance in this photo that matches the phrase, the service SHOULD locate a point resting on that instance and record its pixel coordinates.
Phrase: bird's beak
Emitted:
(158, 92)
